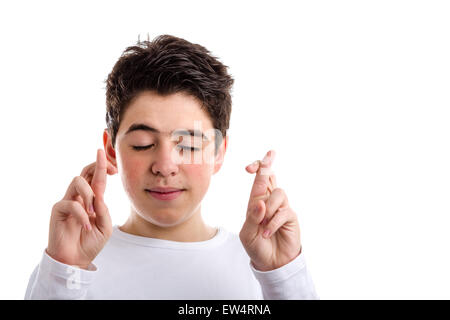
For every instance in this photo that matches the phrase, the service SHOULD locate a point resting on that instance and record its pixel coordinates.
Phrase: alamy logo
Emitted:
(198, 148)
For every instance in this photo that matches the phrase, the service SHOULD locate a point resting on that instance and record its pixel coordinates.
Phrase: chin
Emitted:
(164, 219)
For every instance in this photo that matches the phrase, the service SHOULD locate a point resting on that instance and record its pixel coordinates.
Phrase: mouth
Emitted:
(165, 193)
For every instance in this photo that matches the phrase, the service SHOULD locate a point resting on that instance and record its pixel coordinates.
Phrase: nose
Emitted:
(163, 163)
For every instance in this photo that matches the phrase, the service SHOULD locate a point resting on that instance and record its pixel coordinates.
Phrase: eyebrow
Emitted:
(184, 132)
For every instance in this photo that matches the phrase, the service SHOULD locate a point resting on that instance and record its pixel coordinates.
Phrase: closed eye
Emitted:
(142, 147)
(139, 148)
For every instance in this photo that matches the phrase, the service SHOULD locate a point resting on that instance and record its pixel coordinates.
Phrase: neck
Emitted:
(191, 230)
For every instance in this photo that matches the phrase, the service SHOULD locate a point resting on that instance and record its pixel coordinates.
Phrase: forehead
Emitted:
(165, 113)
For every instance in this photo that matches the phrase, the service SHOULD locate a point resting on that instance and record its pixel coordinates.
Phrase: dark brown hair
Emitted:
(167, 65)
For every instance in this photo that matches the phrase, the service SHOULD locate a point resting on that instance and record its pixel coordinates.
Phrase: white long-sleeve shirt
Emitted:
(134, 267)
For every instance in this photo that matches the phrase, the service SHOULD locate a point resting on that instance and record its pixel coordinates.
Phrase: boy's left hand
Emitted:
(268, 209)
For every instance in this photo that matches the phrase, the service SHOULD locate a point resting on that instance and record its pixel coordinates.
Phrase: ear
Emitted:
(219, 158)
(110, 153)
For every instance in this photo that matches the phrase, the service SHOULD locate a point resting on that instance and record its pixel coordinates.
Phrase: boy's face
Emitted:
(165, 164)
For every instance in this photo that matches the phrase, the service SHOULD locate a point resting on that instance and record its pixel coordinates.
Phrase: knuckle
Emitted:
(279, 191)
(56, 206)
(83, 180)
(77, 180)
(74, 206)
(83, 185)
(242, 236)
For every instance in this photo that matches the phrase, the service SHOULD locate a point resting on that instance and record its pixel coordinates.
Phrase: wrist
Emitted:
(265, 268)
(262, 267)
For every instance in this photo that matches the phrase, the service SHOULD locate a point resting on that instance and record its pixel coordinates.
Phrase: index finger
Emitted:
(263, 173)
(98, 183)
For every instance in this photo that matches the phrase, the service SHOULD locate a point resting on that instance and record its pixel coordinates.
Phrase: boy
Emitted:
(168, 109)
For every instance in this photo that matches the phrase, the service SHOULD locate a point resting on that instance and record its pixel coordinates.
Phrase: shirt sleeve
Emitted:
(289, 282)
(53, 280)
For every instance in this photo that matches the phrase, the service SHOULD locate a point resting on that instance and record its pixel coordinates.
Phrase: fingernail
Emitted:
(88, 227)
(266, 233)
(91, 208)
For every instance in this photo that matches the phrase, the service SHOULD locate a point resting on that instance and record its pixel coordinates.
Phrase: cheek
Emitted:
(199, 175)
(131, 171)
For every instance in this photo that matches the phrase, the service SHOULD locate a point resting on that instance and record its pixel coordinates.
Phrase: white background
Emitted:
(352, 95)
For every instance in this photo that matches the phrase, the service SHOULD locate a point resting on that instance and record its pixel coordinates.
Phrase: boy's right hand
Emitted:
(77, 235)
